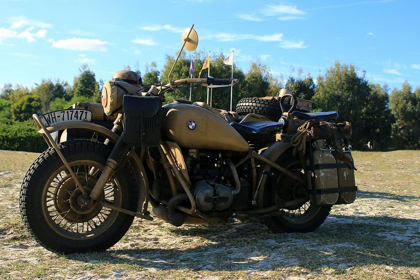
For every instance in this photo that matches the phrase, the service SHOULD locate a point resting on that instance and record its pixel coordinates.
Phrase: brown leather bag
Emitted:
(326, 130)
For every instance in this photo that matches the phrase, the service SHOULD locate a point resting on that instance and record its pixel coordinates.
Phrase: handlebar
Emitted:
(158, 90)
(220, 81)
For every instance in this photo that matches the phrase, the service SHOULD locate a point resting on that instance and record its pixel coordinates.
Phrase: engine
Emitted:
(211, 195)
(212, 190)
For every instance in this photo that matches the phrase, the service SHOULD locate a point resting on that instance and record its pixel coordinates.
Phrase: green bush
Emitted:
(20, 136)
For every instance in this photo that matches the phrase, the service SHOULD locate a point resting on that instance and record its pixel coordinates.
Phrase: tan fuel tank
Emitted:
(194, 127)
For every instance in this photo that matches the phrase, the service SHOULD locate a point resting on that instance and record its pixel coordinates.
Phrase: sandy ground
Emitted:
(377, 236)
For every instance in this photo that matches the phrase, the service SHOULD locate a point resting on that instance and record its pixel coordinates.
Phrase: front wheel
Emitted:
(55, 211)
(300, 215)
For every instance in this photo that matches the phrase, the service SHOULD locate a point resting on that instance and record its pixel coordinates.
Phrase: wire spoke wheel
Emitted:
(71, 214)
(299, 215)
(56, 212)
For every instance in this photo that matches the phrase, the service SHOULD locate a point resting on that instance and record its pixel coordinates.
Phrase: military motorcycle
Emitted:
(187, 163)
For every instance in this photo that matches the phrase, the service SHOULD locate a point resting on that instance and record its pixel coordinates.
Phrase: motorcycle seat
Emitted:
(317, 116)
(257, 128)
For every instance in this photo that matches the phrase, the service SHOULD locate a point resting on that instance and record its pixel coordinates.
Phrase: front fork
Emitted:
(114, 160)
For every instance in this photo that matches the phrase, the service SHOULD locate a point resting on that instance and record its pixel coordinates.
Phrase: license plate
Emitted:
(65, 115)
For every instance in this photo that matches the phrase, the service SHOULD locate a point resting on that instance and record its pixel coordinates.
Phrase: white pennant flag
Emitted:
(228, 60)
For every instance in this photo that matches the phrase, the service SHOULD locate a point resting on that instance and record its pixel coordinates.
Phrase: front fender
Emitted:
(272, 154)
(101, 130)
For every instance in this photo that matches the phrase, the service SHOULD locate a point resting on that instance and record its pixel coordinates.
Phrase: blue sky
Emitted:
(52, 39)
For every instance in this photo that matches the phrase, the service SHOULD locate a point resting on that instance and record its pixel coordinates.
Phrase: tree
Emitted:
(257, 80)
(405, 107)
(5, 109)
(151, 76)
(6, 91)
(14, 93)
(275, 86)
(342, 90)
(85, 84)
(27, 105)
(48, 91)
(376, 118)
(302, 86)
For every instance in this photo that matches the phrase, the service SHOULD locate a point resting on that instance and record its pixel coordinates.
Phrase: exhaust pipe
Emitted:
(170, 214)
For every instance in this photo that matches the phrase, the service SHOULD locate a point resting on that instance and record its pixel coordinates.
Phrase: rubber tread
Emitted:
(31, 193)
(280, 224)
(266, 107)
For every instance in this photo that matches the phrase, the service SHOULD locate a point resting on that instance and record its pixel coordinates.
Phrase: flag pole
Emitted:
(208, 85)
(211, 89)
(231, 86)
(190, 77)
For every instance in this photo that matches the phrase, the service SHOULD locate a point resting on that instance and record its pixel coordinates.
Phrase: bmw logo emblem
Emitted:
(191, 125)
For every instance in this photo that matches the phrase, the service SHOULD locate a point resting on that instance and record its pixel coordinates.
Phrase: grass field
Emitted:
(378, 236)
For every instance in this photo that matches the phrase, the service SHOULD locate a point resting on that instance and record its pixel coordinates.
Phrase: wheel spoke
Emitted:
(61, 198)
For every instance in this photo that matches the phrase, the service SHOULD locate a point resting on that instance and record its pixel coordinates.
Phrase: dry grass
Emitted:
(378, 236)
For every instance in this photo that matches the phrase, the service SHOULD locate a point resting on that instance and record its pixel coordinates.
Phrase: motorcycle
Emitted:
(184, 161)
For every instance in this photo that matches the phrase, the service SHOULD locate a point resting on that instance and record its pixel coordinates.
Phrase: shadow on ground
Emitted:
(342, 242)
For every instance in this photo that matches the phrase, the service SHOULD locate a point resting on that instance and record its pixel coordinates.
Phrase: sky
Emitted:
(53, 39)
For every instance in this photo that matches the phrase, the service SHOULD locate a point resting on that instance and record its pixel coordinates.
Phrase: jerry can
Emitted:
(346, 180)
(322, 174)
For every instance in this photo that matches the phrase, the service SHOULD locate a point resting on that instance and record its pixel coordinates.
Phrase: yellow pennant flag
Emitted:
(205, 65)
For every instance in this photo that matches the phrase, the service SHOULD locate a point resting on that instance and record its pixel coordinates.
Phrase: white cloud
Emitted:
(84, 60)
(380, 79)
(228, 37)
(148, 42)
(393, 72)
(415, 66)
(281, 10)
(6, 34)
(29, 36)
(292, 45)
(351, 4)
(371, 34)
(162, 27)
(270, 38)
(20, 22)
(265, 57)
(285, 18)
(81, 44)
(249, 17)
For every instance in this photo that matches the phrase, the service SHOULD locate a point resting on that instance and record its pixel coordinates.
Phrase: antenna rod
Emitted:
(179, 54)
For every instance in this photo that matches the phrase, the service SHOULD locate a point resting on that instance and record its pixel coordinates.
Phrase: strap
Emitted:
(337, 190)
(121, 87)
(312, 172)
(343, 158)
(328, 166)
(116, 110)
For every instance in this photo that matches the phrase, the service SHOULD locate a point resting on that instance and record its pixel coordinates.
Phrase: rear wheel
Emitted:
(300, 215)
(56, 212)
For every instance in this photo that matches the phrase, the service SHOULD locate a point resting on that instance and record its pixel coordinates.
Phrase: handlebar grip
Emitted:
(218, 81)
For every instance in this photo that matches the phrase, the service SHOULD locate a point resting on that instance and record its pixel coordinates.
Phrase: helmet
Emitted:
(127, 76)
